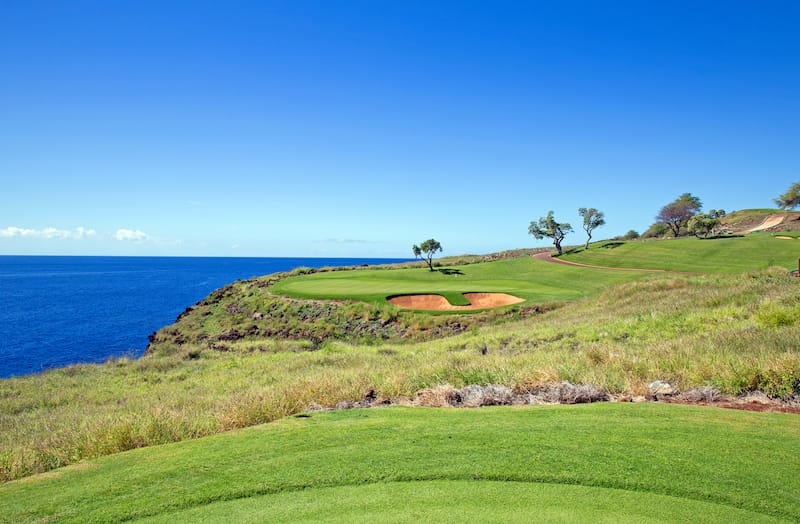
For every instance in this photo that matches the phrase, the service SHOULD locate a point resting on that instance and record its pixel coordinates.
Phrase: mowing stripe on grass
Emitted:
(735, 459)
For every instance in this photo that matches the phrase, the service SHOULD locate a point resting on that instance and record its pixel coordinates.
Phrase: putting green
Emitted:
(463, 501)
(534, 280)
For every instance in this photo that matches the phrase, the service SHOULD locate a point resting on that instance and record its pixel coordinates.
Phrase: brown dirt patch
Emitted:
(439, 303)
(770, 221)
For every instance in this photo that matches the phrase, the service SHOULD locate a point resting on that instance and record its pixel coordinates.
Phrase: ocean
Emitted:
(56, 311)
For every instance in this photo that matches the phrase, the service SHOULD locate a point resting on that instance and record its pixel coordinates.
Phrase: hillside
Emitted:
(771, 220)
(726, 254)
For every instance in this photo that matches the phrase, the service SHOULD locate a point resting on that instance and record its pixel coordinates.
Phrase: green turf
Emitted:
(527, 278)
(718, 255)
(662, 461)
(461, 501)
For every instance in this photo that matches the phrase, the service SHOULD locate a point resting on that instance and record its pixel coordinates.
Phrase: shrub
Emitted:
(657, 230)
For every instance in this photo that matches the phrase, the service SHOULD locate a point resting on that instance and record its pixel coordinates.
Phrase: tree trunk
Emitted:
(430, 263)
(558, 246)
(588, 238)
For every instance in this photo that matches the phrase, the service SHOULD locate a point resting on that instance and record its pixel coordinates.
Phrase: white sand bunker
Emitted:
(439, 303)
(784, 237)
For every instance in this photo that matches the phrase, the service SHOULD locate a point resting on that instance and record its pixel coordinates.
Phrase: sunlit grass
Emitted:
(731, 332)
(647, 462)
(525, 277)
(717, 255)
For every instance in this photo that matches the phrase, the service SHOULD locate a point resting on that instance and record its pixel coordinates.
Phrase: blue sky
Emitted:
(358, 128)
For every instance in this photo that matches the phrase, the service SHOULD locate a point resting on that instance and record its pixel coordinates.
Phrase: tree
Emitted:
(790, 199)
(632, 234)
(676, 215)
(705, 223)
(592, 218)
(548, 227)
(426, 250)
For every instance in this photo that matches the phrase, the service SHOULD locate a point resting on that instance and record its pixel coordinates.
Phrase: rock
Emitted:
(567, 393)
(231, 335)
(659, 390)
(580, 393)
(757, 397)
(474, 396)
(704, 394)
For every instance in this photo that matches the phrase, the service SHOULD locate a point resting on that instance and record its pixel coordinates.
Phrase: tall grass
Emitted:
(735, 333)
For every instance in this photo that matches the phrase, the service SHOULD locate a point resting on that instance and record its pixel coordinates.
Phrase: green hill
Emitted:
(612, 462)
(726, 254)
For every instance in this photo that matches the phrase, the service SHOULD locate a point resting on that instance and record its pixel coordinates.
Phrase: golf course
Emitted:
(601, 462)
(527, 278)
(242, 410)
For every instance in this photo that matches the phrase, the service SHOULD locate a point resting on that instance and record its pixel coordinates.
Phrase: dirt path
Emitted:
(770, 221)
(548, 257)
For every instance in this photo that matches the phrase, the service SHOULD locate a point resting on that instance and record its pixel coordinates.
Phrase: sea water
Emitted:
(56, 311)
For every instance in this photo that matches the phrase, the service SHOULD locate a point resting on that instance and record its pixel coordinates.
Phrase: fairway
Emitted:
(524, 277)
(598, 462)
(717, 255)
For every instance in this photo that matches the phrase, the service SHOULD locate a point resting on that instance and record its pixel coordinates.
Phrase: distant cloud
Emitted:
(131, 235)
(48, 232)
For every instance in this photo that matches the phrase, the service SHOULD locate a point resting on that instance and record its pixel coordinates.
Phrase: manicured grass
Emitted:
(527, 278)
(591, 462)
(718, 255)
(459, 501)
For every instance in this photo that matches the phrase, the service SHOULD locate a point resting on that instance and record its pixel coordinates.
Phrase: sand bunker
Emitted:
(784, 237)
(439, 303)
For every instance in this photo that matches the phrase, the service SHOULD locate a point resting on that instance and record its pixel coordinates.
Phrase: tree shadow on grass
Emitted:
(449, 271)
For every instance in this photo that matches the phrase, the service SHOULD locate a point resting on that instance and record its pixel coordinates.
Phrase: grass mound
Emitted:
(458, 501)
(657, 462)
(724, 255)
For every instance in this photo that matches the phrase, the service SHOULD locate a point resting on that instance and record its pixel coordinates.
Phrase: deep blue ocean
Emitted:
(56, 311)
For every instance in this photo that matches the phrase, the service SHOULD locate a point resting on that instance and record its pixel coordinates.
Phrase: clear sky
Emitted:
(358, 128)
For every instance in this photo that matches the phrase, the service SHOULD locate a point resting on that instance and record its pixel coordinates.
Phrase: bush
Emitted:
(657, 230)
(630, 235)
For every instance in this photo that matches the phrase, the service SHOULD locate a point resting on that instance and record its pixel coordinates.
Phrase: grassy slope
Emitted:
(699, 460)
(736, 333)
(722, 255)
(525, 277)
